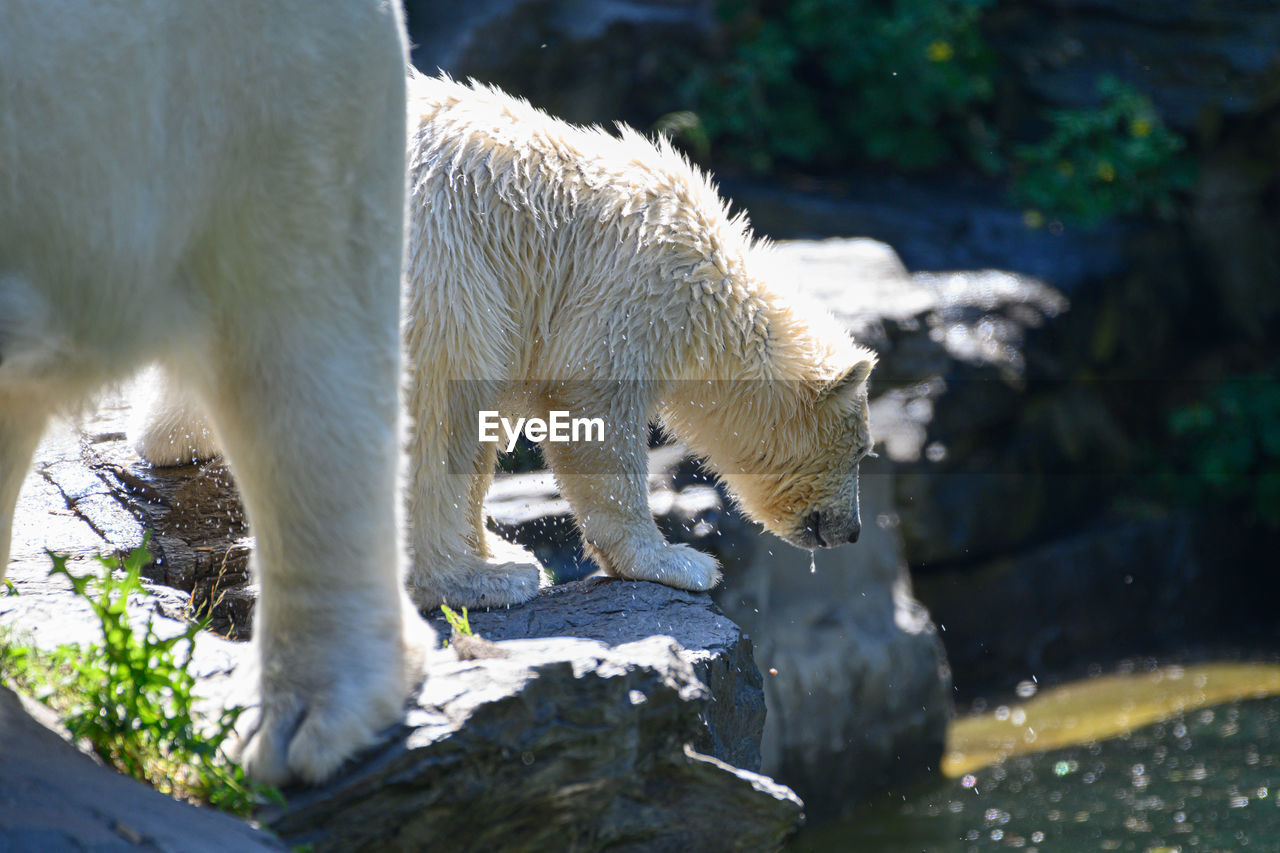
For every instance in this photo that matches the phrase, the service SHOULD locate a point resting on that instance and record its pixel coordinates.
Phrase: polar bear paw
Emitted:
(167, 438)
(310, 722)
(475, 582)
(679, 566)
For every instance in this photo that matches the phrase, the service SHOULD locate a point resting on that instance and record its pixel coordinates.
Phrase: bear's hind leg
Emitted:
(606, 483)
(167, 426)
(20, 430)
(456, 561)
(498, 553)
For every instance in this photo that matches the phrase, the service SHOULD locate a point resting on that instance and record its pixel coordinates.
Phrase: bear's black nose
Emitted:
(854, 531)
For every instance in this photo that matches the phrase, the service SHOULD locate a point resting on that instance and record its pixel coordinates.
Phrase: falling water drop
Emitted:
(813, 561)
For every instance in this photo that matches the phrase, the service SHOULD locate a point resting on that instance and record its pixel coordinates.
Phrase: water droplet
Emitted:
(813, 561)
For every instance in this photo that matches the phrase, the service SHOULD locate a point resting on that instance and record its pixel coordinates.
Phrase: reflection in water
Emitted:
(1181, 759)
(1098, 709)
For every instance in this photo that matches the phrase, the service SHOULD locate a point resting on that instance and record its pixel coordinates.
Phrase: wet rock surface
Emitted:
(616, 613)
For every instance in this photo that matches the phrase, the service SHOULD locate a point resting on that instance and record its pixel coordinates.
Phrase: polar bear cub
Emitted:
(559, 269)
(556, 269)
(193, 184)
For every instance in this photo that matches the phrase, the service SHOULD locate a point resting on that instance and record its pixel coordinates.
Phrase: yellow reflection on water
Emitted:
(1099, 708)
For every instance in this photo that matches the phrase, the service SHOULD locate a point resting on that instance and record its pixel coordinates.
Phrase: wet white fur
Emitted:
(219, 187)
(542, 252)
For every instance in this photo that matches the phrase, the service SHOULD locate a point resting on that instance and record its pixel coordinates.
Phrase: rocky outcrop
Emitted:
(937, 223)
(598, 731)
(565, 744)
(618, 613)
(1108, 590)
(54, 797)
(974, 403)
(856, 680)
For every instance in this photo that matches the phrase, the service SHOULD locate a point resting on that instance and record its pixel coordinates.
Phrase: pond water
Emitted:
(1176, 759)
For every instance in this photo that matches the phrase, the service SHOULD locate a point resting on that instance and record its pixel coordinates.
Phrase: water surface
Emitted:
(1176, 759)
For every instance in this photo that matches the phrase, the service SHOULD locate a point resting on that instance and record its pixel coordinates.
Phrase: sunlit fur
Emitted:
(547, 258)
(219, 188)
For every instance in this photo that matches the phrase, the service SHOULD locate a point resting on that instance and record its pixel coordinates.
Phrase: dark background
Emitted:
(1122, 496)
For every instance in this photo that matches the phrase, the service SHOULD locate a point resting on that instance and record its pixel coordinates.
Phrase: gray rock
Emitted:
(856, 680)
(927, 325)
(1098, 594)
(936, 224)
(56, 798)
(976, 403)
(567, 744)
(615, 613)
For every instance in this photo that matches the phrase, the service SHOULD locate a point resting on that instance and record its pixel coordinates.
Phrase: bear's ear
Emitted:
(846, 386)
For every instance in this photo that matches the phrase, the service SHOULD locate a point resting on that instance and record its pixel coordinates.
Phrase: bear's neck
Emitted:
(753, 335)
(748, 360)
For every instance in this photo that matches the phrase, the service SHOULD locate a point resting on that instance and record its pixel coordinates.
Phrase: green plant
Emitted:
(130, 696)
(1116, 158)
(826, 82)
(459, 623)
(1229, 444)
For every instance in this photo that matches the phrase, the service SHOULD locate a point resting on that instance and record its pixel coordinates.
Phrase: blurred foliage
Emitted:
(828, 82)
(821, 85)
(1230, 439)
(1117, 158)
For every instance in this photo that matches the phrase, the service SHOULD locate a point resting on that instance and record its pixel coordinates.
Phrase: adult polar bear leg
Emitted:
(606, 483)
(223, 184)
(299, 373)
(167, 426)
(455, 560)
(20, 430)
(337, 642)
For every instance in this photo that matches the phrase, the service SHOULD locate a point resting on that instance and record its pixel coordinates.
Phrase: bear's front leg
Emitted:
(606, 484)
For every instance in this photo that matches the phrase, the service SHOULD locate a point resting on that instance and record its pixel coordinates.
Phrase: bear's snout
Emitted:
(827, 530)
